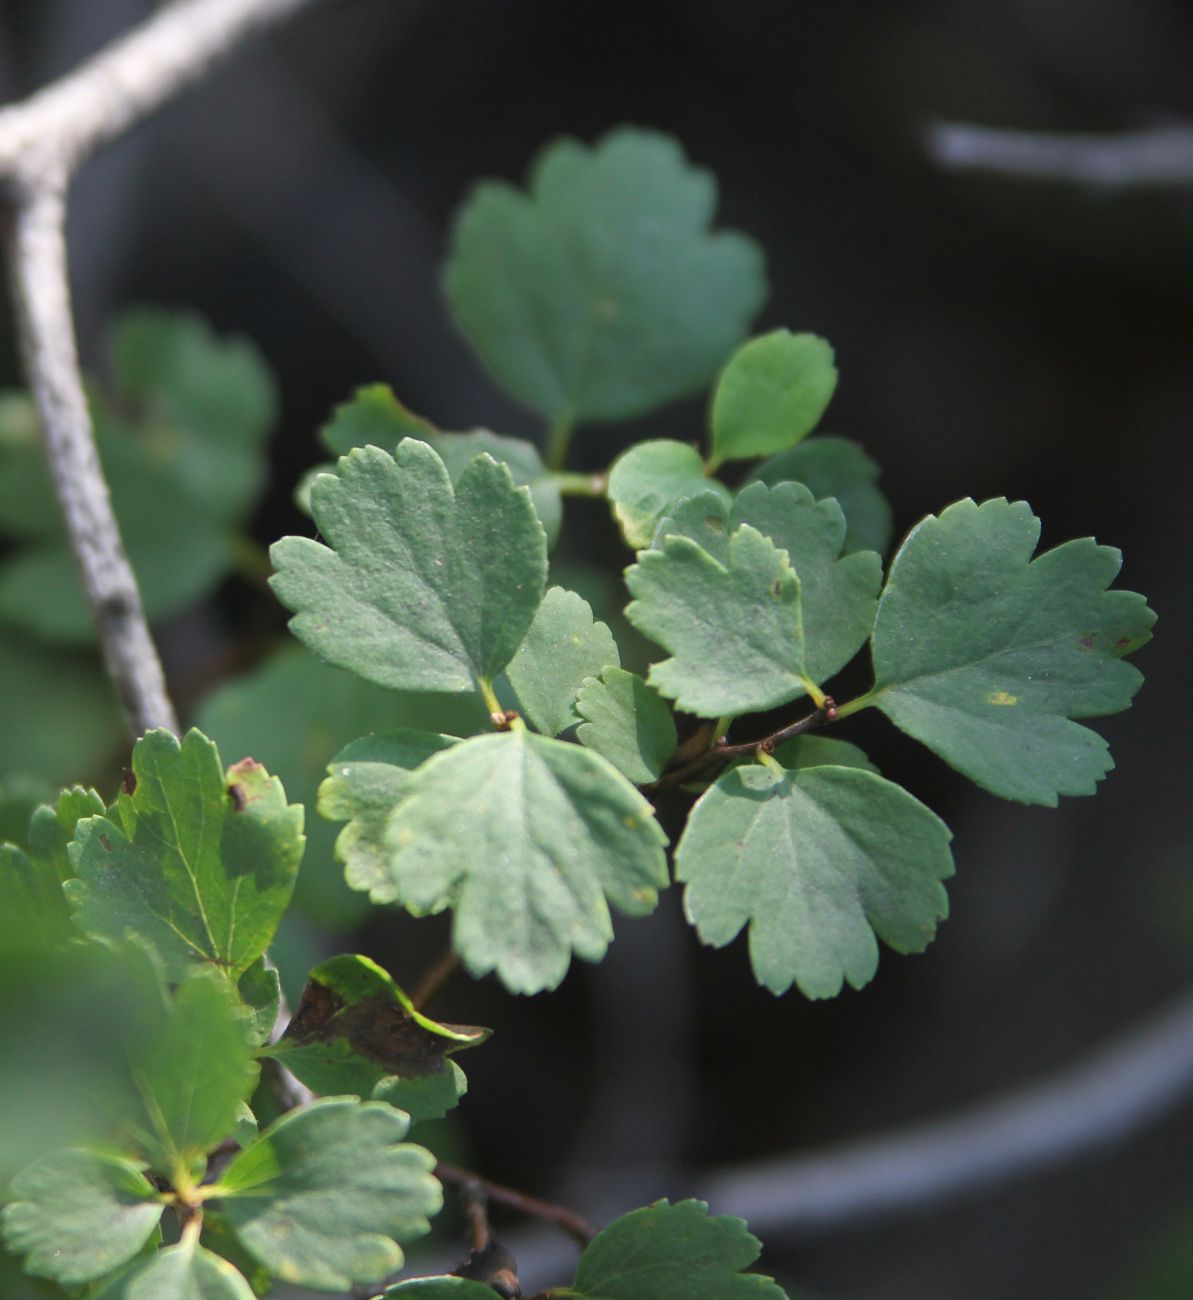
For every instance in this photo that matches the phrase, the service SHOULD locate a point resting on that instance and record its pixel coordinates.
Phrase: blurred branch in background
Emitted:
(42, 142)
(1117, 1091)
(1100, 1101)
(1157, 156)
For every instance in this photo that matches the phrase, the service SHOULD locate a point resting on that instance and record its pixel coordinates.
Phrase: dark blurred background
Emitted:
(993, 336)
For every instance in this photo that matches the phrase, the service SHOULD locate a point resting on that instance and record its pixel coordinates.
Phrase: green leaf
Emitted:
(838, 595)
(373, 417)
(601, 294)
(192, 1074)
(734, 630)
(646, 481)
(181, 442)
(53, 826)
(205, 406)
(77, 1215)
(672, 1252)
(820, 751)
(376, 418)
(424, 588)
(551, 831)
(563, 646)
(324, 1196)
(355, 1031)
(441, 1288)
(200, 864)
(815, 862)
(627, 723)
(985, 655)
(260, 993)
(366, 781)
(33, 911)
(60, 716)
(182, 1272)
(771, 394)
(292, 713)
(836, 467)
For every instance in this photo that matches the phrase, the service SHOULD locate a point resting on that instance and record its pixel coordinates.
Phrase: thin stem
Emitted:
(575, 1225)
(581, 485)
(559, 439)
(850, 707)
(39, 272)
(719, 752)
(445, 966)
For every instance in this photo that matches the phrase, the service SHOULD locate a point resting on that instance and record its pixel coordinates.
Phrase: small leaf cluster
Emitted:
(151, 917)
(477, 740)
(433, 574)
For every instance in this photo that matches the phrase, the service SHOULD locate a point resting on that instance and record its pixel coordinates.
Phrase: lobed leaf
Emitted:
(422, 587)
(198, 863)
(986, 655)
(325, 1195)
(366, 780)
(646, 481)
(672, 1252)
(601, 294)
(552, 831)
(816, 862)
(838, 594)
(563, 646)
(374, 417)
(836, 467)
(182, 1272)
(627, 723)
(772, 393)
(77, 1215)
(734, 630)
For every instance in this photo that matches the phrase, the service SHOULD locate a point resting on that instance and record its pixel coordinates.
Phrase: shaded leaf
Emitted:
(182, 1272)
(77, 1215)
(192, 1072)
(423, 588)
(20, 794)
(646, 482)
(324, 1196)
(734, 630)
(366, 780)
(815, 862)
(771, 394)
(355, 1031)
(838, 595)
(563, 646)
(836, 467)
(376, 418)
(626, 722)
(53, 826)
(204, 405)
(601, 294)
(260, 993)
(373, 417)
(33, 911)
(551, 831)
(441, 1288)
(986, 655)
(202, 865)
(672, 1252)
